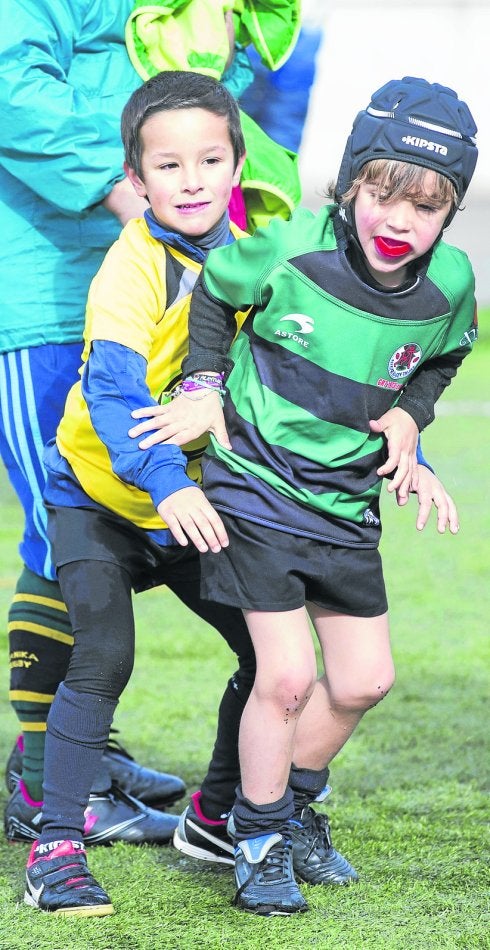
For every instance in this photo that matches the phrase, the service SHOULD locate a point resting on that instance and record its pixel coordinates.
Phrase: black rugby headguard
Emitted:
(412, 120)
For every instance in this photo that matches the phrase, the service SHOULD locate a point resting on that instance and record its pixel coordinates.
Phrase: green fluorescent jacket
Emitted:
(179, 34)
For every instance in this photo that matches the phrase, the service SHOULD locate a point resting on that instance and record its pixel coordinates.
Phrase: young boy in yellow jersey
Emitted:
(106, 499)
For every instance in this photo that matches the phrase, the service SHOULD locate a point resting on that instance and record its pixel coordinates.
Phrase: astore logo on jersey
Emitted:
(304, 323)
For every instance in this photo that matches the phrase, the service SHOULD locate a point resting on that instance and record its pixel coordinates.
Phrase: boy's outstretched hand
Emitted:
(401, 434)
(180, 421)
(190, 516)
(430, 491)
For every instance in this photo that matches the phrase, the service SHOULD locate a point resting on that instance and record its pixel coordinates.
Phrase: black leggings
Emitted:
(103, 655)
(100, 558)
(99, 600)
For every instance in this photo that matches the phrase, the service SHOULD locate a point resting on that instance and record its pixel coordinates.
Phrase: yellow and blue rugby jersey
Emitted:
(138, 301)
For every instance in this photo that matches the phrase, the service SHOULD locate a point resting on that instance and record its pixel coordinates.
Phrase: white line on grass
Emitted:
(466, 408)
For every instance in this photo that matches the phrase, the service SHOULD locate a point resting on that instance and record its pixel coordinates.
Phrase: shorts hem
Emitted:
(263, 608)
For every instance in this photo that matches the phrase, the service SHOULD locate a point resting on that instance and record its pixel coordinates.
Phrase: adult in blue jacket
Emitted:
(64, 78)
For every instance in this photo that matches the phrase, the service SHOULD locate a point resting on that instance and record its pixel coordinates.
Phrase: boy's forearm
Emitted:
(212, 326)
(423, 391)
(113, 384)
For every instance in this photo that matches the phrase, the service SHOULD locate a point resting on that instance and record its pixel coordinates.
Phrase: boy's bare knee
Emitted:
(292, 690)
(362, 697)
(378, 692)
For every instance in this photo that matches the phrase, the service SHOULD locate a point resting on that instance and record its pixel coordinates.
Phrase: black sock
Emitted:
(223, 775)
(78, 729)
(306, 785)
(252, 820)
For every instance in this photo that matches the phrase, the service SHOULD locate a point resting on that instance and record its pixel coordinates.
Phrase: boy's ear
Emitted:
(238, 170)
(137, 183)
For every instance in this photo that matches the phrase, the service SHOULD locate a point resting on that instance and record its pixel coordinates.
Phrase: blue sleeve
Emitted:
(60, 140)
(113, 384)
(420, 457)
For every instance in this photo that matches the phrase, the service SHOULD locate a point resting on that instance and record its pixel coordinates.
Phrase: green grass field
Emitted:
(409, 806)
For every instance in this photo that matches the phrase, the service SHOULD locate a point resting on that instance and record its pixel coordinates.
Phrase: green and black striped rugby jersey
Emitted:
(320, 354)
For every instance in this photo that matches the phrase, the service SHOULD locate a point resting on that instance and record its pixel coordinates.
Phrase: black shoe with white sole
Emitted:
(198, 837)
(110, 816)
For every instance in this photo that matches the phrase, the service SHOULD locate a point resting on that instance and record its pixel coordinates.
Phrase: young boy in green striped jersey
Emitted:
(359, 318)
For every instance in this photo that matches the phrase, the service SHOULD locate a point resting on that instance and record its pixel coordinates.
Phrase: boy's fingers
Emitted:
(184, 530)
(206, 531)
(447, 515)
(401, 478)
(442, 519)
(141, 428)
(441, 503)
(425, 505)
(174, 526)
(145, 411)
(171, 435)
(396, 460)
(211, 526)
(153, 439)
(190, 516)
(453, 518)
(221, 435)
(414, 477)
(388, 467)
(401, 499)
(406, 477)
(375, 425)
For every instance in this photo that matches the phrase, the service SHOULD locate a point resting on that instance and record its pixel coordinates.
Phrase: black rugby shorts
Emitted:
(270, 570)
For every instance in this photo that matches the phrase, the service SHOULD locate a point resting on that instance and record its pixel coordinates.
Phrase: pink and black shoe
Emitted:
(199, 837)
(58, 881)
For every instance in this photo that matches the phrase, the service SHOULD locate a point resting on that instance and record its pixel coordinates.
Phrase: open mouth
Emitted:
(388, 247)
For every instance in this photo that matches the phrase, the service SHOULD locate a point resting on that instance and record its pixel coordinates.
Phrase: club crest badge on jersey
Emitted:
(404, 360)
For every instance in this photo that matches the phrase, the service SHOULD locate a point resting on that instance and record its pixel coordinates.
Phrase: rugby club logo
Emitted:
(370, 518)
(404, 360)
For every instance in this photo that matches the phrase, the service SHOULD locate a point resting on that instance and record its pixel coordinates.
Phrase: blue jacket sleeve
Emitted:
(421, 459)
(61, 139)
(113, 384)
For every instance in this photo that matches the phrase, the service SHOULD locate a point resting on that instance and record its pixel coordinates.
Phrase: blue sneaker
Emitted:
(264, 877)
